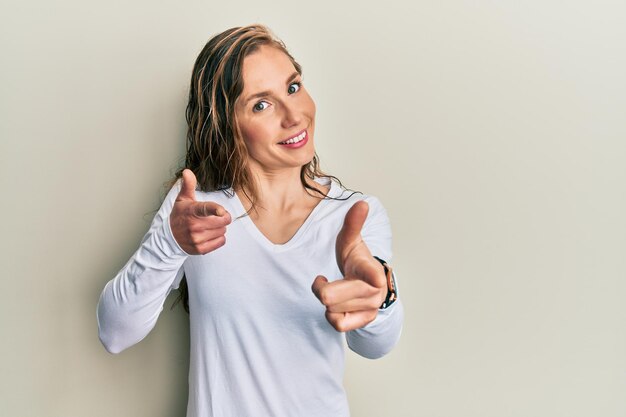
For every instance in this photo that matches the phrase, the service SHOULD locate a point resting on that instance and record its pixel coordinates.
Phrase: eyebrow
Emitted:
(267, 93)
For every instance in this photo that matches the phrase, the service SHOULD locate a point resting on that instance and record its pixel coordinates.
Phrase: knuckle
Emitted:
(325, 297)
(336, 320)
(211, 222)
(341, 326)
(372, 291)
(214, 244)
(204, 249)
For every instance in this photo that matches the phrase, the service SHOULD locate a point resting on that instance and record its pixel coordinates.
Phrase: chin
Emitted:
(309, 157)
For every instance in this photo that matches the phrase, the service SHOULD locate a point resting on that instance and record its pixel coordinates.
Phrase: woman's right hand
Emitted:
(199, 227)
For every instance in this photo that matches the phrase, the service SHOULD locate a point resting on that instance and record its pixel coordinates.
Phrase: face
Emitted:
(275, 113)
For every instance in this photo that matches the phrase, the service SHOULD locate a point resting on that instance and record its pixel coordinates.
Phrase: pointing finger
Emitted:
(354, 220)
(350, 234)
(209, 208)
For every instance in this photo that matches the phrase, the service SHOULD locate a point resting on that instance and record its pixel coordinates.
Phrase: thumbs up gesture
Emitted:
(353, 302)
(199, 227)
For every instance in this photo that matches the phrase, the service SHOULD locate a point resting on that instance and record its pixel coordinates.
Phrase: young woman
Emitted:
(277, 263)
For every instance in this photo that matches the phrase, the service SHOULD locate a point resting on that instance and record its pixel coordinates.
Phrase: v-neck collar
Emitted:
(254, 231)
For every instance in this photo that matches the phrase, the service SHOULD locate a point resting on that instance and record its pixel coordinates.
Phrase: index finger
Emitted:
(344, 290)
(208, 208)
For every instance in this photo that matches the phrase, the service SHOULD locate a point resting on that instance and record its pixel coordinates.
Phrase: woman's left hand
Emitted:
(353, 302)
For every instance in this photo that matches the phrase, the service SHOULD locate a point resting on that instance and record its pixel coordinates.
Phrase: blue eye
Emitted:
(260, 106)
(294, 87)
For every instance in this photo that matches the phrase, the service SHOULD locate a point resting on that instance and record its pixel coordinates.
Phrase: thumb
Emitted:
(188, 186)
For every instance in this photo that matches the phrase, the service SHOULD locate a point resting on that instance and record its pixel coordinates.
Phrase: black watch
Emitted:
(392, 293)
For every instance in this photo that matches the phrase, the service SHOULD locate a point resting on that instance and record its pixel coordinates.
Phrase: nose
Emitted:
(291, 115)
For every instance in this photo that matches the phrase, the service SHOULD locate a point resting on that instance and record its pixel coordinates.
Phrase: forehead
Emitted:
(265, 68)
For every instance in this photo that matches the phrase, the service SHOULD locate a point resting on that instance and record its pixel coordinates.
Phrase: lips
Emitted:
(296, 141)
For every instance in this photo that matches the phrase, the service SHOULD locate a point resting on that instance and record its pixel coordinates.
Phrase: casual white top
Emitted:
(260, 341)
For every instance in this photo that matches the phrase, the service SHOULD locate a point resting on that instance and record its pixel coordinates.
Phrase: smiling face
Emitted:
(275, 114)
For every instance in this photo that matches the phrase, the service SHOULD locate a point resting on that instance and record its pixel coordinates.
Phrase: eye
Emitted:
(260, 106)
(294, 87)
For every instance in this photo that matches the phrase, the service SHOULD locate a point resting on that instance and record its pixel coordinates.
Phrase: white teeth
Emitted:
(295, 140)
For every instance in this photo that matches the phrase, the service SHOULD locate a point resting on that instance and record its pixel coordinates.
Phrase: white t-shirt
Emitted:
(260, 342)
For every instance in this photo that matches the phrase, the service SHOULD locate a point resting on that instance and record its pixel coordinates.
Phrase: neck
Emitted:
(279, 191)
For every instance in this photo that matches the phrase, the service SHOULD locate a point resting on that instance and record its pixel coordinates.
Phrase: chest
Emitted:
(279, 227)
(250, 279)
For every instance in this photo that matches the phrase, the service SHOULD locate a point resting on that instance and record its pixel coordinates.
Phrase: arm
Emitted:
(132, 301)
(353, 303)
(378, 337)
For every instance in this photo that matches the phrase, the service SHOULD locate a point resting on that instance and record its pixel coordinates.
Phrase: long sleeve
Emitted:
(377, 338)
(132, 301)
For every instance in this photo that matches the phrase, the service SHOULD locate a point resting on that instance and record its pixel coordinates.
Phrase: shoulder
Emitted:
(340, 200)
(349, 197)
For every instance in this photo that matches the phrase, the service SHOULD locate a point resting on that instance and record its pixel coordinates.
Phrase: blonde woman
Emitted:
(276, 261)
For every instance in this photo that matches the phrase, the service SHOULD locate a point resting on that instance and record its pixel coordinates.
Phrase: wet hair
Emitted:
(216, 151)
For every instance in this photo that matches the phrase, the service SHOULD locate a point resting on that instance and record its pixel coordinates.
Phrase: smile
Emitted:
(295, 139)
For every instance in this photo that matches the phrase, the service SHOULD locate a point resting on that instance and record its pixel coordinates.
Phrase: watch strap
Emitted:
(392, 293)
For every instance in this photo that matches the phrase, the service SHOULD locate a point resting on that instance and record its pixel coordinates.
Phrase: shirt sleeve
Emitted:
(132, 301)
(377, 338)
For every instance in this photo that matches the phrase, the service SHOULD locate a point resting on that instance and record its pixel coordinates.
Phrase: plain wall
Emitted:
(493, 132)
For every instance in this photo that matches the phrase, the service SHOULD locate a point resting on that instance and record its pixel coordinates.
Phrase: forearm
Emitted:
(131, 302)
(377, 338)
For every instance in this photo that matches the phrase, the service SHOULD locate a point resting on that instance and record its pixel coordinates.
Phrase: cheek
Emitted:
(310, 106)
(253, 133)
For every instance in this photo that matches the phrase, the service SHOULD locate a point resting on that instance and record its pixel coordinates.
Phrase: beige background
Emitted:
(493, 132)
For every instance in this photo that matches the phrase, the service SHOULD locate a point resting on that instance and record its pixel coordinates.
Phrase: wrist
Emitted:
(391, 293)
